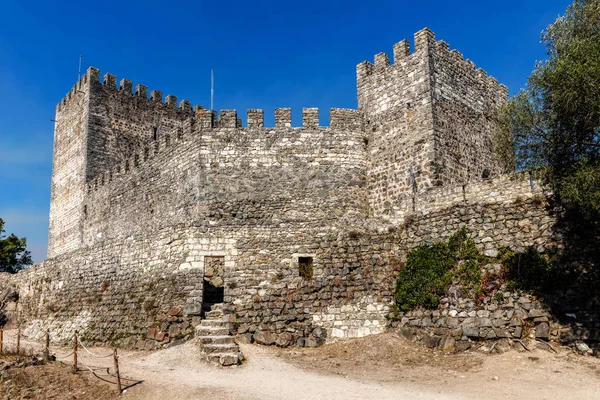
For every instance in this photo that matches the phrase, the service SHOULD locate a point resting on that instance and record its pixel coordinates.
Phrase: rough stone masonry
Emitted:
(160, 210)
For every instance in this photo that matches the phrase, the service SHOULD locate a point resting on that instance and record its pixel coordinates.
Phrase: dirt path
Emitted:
(378, 367)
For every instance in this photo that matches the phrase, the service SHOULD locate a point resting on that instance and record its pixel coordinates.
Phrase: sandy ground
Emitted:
(378, 367)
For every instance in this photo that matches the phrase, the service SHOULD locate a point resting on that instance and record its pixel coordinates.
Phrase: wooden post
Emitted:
(47, 349)
(116, 357)
(75, 352)
(1, 339)
(18, 341)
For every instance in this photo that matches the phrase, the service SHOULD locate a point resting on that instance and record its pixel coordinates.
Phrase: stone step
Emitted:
(211, 331)
(213, 322)
(222, 339)
(224, 359)
(218, 306)
(216, 314)
(220, 348)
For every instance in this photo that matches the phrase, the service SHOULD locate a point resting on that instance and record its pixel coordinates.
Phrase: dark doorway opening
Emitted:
(214, 283)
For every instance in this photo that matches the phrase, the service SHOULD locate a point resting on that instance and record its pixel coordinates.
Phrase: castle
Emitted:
(424, 121)
(160, 210)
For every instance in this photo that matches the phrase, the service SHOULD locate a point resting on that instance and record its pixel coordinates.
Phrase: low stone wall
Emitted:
(458, 322)
(116, 293)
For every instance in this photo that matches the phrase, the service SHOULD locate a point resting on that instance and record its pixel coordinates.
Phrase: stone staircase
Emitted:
(214, 337)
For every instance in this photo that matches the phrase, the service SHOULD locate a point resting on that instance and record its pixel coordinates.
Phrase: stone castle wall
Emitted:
(133, 289)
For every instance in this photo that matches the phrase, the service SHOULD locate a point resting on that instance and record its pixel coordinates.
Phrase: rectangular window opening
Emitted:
(305, 267)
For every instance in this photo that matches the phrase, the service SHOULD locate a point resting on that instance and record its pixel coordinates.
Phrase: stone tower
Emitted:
(98, 126)
(430, 120)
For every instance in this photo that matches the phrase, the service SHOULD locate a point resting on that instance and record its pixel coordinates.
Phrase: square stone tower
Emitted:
(430, 120)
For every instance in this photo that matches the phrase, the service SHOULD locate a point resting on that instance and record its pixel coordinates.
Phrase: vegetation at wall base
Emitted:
(531, 272)
(430, 270)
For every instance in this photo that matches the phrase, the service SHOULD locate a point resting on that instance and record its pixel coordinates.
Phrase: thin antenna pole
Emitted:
(79, 71)
(212, 89)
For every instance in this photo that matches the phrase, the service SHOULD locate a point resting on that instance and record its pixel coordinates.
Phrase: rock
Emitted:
(484, 322)
(265, 338)
(462, 345)
(518, 332)
(174, 311)
(407, 333)
(542, 331)
(503, 345)
(536, 313)
(491, 334)
(217, 281)
(431, 341)
(311, 342)
(518, 346)
(447, 344)
(583, 348)
(245, 338)
(502, 333)
(151, 333)
(515, 321)
(319, 333)
(284, 339)
(228, 359)
(471, 332)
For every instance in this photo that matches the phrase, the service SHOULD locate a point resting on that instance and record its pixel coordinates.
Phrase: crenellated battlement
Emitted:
(427, 47)
(215, 133)
(338, 118)
(79, 87)
(125, 87)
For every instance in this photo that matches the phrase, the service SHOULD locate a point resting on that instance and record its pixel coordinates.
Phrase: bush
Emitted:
(429, 271)
(425, 277)
(531, 271)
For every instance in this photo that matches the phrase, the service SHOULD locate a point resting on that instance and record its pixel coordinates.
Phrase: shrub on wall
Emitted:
(531, 271)
(430, 269)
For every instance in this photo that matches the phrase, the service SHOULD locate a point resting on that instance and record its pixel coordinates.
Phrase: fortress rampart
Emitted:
(160, 209)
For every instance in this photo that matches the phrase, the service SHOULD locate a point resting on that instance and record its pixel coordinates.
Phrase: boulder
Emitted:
(447, 344)
(285, 339)
(266, 338)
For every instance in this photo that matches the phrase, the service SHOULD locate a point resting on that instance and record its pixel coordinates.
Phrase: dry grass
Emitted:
(51, 380)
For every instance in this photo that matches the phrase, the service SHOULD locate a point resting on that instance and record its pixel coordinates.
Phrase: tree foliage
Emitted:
(554, 123)
(13, 252)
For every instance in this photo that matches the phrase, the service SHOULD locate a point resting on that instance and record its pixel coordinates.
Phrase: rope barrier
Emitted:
(77, 341)
(89, 352)
(94, 372)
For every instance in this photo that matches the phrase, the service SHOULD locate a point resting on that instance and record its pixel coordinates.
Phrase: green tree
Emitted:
(13, 252)
(554, 123)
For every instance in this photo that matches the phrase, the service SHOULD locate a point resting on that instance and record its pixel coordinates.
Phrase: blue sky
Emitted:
(265, 54)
